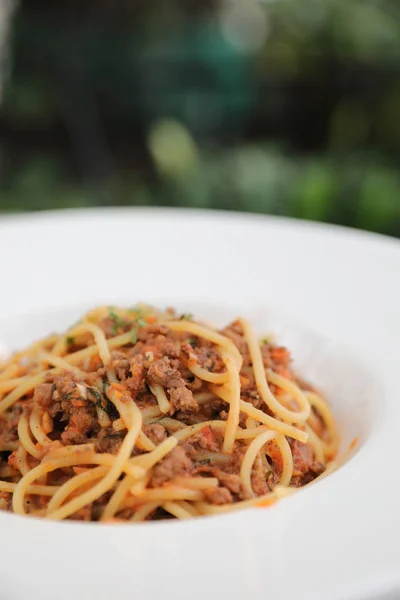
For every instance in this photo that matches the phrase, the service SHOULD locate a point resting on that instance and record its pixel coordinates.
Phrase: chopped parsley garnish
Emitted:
(134, 333)
(97, 395)
(102, 401)
(265, 340)
(186, 317)
(192, 342)
(117, 321)
(69, 340)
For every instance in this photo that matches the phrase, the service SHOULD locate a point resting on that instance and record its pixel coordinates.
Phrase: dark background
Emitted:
(281, 106)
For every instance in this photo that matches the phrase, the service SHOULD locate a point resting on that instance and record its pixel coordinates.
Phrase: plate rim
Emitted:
(386, 583)
(32, 216)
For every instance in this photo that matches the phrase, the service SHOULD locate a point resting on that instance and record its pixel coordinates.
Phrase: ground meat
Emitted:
(117, 355)
(242, 419)
(159, 345)
(210, 439)
(277, 358)
(231, 481)
(109, 440)
(9, 423)
(83, 420)
(156, 329)
(162, 373)
(120, 365)
(274, 357)
(66, 387)
(172, 349)
(207, 356)
(235, 333)
(81, 424)
(146, 400)
(73, 436)
(305, 467)
(175, 463)
(43, 394)
(168, 347)
(224, 416)
(259, 477)
(182, 399)
(5, 501)
(74, 416)
(136, 382)
(303, 457)
(83, 514)
(155, 432)
(55, 409)
(196, 385)
(205, 413)
(280, 356)
(234, 485)
(219, 405)
(218, 495)
(252, 396)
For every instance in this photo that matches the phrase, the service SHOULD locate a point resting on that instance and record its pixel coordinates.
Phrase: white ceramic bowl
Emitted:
(332, 295)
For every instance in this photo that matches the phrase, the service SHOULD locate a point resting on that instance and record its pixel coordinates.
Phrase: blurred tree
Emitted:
(281, 107)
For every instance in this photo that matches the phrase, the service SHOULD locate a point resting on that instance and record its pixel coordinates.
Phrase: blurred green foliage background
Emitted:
(277, 106)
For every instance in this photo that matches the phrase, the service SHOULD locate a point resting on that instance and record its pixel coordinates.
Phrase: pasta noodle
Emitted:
(136, 414)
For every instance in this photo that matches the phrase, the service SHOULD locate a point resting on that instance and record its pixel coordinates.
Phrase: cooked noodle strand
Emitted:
(136, 414)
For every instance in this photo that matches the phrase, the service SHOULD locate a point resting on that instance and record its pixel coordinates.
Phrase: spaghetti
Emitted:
(137, 414)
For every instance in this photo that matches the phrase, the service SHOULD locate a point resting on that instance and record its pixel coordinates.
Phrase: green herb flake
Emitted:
(265, 341)
(117, 321)
(186, 317)
(69, 340)
(97, 395)
(134, 333)
(101, 400)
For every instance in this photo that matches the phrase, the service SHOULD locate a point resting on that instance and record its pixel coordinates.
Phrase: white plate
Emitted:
(336, 540)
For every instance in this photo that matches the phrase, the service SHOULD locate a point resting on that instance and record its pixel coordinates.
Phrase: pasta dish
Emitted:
(137, 415)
